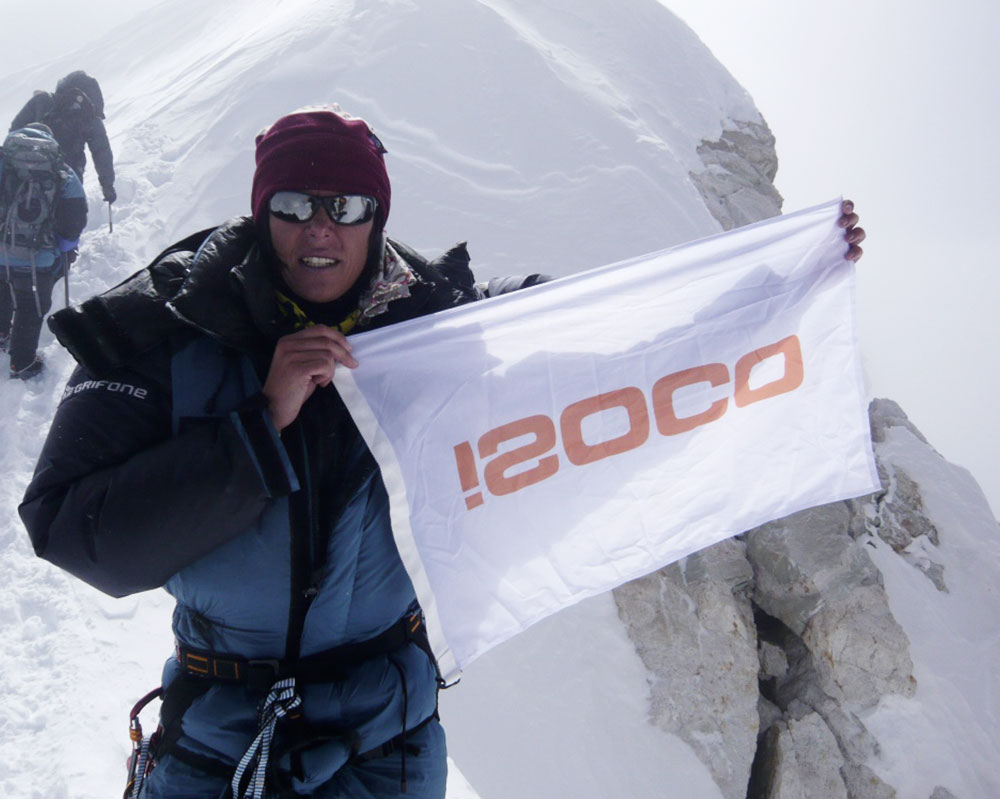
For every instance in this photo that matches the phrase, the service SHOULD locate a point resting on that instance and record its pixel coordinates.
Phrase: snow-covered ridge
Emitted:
(553, 137)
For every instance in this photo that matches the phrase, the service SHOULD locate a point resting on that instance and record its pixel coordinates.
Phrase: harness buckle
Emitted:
(262, 674)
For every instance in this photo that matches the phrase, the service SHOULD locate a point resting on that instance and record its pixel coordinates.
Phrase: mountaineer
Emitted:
(43, 210)
(74, 113)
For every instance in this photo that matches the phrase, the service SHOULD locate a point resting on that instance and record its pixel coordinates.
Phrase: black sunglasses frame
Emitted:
(328, 203)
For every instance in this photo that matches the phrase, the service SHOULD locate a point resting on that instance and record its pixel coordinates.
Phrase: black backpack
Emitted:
(31, 174)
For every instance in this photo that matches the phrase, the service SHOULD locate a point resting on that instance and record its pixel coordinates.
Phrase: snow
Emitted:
(575, 720)
(948, 734)
(554, 136)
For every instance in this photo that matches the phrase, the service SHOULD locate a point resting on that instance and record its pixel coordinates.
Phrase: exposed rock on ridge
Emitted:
(801, 599)
(692, 623)
(737, 183)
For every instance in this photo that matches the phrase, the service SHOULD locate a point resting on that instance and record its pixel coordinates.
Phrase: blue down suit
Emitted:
(162, 468)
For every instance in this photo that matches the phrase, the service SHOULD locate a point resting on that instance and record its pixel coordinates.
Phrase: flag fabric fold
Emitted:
(550, 444)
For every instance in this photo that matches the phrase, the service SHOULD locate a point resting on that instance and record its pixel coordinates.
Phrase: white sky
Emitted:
(64, 25)
(890, 103)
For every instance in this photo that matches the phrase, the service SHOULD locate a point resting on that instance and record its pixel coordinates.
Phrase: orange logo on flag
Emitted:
(542, 428)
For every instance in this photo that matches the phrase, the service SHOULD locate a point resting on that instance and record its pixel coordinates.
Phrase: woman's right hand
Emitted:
(302, 361)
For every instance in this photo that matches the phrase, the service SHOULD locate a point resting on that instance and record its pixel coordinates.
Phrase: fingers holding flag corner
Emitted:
(853, 235)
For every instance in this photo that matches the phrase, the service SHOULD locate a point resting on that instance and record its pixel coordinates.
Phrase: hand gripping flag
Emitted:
(553, 443)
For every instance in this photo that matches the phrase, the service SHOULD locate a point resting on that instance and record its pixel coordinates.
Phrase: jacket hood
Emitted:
(86, 84)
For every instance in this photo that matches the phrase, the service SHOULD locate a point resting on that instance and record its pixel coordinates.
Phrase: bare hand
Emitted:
(302, 361)
(852, 235)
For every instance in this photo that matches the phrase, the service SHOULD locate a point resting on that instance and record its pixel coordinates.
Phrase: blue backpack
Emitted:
(32, 172)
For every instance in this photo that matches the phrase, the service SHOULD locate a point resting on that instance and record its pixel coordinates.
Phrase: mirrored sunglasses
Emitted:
(344, 209)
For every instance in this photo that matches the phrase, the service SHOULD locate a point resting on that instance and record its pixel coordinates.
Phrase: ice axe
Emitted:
(111, 224)
(66, 265)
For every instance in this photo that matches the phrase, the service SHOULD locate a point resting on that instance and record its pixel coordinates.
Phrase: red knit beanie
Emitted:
(319, 148)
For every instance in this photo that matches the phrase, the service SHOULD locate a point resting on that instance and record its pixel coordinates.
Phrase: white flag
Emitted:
(550, 444)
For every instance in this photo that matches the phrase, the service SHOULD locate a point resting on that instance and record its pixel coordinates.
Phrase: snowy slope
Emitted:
(508, 123)
(554, 136)
(949, 733)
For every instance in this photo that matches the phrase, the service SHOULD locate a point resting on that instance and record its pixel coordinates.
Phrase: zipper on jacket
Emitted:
(302, 522)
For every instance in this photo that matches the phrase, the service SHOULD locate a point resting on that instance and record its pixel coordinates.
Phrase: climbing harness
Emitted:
(280, 680)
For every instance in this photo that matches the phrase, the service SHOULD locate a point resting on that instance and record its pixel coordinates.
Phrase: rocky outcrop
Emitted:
(820, 584)
(737, 183)
(899, 514)
(693, 627)
(765, 651)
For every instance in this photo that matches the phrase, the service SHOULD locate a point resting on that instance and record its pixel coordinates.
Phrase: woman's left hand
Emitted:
(853, 235)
